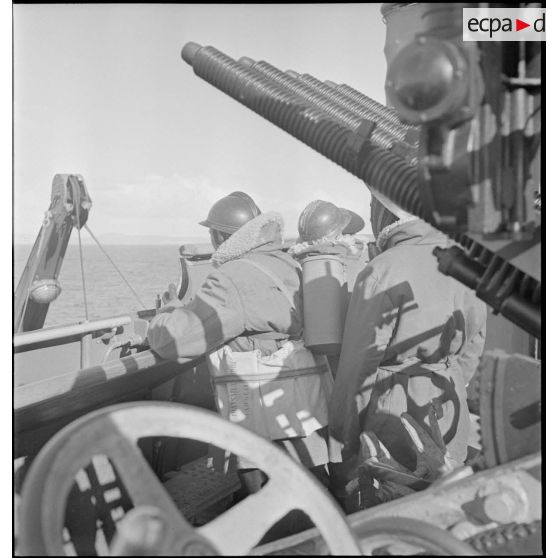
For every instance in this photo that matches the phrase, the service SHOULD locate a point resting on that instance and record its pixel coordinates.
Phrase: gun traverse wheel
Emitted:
(114, 431)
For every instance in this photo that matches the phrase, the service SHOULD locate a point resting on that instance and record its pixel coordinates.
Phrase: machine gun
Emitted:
(435, 178)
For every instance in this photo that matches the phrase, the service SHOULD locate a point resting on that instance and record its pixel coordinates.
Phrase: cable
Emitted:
(86, 227)
(77, 206)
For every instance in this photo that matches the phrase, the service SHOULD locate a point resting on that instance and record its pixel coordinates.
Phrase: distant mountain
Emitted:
(119, 238)
(148, 240)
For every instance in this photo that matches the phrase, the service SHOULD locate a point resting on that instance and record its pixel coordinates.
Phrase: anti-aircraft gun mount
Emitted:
(493, 504)
(374, 144)
(447, 177)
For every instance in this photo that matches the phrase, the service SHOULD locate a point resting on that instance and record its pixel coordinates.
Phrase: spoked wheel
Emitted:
(114, 432)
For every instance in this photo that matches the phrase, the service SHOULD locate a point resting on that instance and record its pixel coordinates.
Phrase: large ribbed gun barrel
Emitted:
(370, 141)
(367, 140)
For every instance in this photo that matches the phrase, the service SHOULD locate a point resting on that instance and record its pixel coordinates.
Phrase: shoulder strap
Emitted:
(278, 283)
(286, 259)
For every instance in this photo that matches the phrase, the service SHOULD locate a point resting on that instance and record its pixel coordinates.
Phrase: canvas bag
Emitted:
(282, 395)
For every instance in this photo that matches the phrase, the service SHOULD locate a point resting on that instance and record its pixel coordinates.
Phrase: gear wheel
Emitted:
(512, 539)
(506, 394)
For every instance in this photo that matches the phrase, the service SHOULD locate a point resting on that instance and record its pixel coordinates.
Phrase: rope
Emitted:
(77, 206)
(86, 227)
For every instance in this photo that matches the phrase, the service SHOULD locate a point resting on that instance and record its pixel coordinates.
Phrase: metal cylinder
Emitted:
(403, 22)
(62, 332)
(444, 19)
(379, 168)
(519, 308)
(505, 506)
(325, 302)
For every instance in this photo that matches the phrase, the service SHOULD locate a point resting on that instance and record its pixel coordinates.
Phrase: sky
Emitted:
(101, 90)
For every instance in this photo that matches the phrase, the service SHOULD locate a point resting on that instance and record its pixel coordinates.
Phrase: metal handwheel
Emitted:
(114, 432)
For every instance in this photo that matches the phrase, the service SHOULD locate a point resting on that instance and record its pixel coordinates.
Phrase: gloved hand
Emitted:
(170, 300)
(432, 459)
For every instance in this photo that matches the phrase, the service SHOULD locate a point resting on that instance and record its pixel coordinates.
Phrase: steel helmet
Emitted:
(321, 218)
(231, 212)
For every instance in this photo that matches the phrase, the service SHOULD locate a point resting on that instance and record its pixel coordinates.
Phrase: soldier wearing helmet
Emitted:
(248, 318)
(322, 219)
(412, 341)
(229, 214)
(326, 228)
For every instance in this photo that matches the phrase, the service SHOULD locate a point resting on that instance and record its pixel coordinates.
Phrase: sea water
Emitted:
(149, 269)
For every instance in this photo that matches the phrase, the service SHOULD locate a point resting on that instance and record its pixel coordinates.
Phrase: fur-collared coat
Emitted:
(241, 306)
(412, 341)
(237, 304)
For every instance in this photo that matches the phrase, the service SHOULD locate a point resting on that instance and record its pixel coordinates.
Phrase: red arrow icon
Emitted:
(520, 24)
